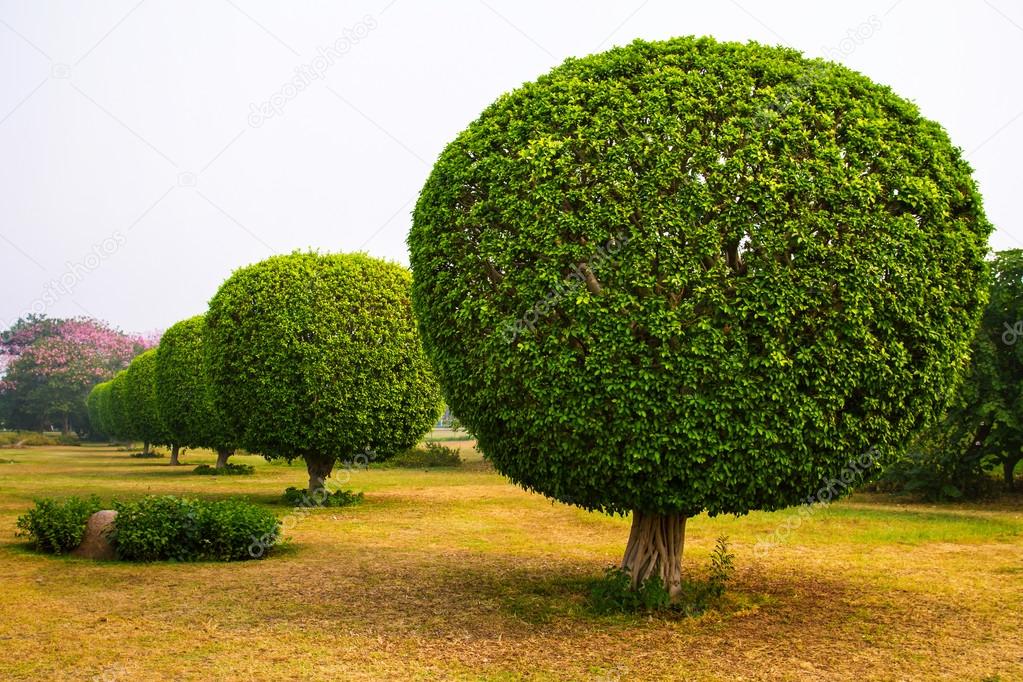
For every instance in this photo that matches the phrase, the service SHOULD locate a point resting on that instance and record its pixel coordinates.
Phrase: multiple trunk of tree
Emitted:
(655, 549)
(319, 468)
(222, 455)
(1008, 468)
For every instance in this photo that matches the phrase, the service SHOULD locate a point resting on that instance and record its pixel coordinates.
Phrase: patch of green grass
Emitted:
(457, 574)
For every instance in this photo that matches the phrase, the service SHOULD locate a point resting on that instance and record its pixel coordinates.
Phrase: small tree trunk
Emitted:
(174, 456)
(67, 423)
(145, 447)
(1008, 468)
(655, 549)
(222, 455)
(319, 468)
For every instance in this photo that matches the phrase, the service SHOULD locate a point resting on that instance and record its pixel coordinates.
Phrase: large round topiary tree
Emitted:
(693, 276)
(184, 397)
(318, 356)
(140, 406)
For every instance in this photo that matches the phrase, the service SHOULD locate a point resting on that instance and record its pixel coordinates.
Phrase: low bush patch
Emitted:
(29, 438)
(614, 594)
(152, 454)
(431, 456)
(229, 469)
(300, 497)
(181, 529)
(57, 526)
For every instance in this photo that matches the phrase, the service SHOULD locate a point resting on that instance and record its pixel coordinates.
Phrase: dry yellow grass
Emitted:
(457, 574)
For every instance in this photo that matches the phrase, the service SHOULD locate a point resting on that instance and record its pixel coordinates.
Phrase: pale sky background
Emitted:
(131, 171)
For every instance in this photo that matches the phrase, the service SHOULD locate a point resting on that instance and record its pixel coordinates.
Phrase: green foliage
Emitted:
(32, 438)
(615, 594)
(430, 456)
(184, 397)
(318, 356)
(984, 424)
(300, 497)
(57, 526)
(116, 415)
(152, 454)
(69, 439)
(158, 528)
(936, 474)
(229, 469)
(140, 407)
(691, 275)
(104, 407)
(93, 407)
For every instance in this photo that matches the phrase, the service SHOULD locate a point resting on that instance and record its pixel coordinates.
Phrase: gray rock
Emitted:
(95, 544)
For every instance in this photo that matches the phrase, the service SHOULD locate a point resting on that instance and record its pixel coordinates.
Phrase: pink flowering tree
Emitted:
(49, 365)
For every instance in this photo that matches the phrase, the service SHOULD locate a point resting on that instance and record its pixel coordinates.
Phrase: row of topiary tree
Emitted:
(305, 356)
(673, 278)
(164, 397)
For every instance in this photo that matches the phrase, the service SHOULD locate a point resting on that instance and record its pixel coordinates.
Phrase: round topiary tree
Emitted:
(184, 397)
(318, 356)
(692, 276)
(140, 406)
(114, 408)
(94, 406)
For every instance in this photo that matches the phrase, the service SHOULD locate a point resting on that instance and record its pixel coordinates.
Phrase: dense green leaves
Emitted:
(318, 356)
(694, 275)
(57, 526)
(184, 398)
(140, 403)
(115, 414)
(95, 405)
(984, 424)
(157, 528)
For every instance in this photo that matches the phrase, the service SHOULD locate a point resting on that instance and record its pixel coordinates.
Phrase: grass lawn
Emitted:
(457, 574)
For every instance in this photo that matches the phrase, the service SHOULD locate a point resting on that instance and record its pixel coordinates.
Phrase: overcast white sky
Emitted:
(137, 172)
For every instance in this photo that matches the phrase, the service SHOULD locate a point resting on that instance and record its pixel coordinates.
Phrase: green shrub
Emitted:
(300, 497)
(180, 529)
(57, 526)
(27, 438)
(431, 456)
(939, 475)
(69, 439)
(229, 469)
(152, 454)
(614, 592)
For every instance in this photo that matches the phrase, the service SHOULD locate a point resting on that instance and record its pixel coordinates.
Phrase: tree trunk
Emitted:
(67, 423)
(145, 447)
(1008, 468)
(655, 549)
(174, 456)
(319, 468)
(222, 455)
